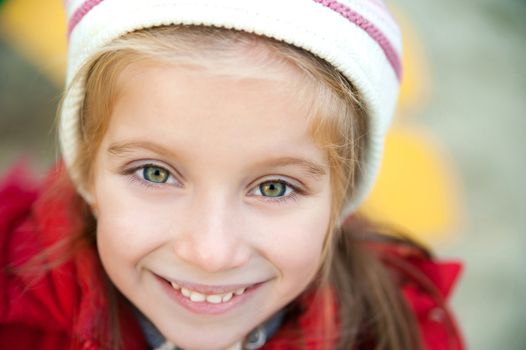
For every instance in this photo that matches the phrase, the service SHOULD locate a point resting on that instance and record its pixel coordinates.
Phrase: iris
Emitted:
(155, 174)
(273, 189)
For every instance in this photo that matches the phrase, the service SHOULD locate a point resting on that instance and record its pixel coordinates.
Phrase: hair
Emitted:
(371, 309)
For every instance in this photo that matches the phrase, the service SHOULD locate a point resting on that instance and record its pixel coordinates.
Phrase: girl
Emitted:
(213, 153)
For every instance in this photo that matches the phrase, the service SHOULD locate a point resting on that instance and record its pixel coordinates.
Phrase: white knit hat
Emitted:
(358, 37)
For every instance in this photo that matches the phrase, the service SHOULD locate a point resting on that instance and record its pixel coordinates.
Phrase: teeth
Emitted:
(197, 297)
(227, 297)
(212, 298)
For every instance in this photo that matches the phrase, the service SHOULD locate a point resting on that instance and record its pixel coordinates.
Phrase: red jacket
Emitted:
(66, 307)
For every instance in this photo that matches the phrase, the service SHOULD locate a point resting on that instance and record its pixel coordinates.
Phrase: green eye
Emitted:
(155, 174)
(273, 189)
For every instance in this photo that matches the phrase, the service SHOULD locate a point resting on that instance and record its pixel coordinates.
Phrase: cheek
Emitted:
(294, 243)
(127, 227)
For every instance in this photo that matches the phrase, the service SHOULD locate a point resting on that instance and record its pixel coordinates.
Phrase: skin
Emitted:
(219, 138)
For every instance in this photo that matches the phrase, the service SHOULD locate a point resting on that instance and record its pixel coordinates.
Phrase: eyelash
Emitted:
(134, 177)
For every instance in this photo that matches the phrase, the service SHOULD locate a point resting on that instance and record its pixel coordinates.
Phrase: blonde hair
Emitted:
(338, 124)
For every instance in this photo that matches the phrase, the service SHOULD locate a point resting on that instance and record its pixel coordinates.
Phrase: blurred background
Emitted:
(453, 173)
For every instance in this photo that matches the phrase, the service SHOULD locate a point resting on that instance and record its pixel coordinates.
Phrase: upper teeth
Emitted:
(209, 298)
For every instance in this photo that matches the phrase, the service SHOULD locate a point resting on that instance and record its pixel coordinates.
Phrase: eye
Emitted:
(155, 174)
(151, 175)
(274, 189)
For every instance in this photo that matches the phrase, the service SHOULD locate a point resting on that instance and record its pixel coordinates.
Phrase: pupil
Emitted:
(272, 189)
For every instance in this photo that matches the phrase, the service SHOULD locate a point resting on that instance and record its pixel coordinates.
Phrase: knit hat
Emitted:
(358, 37)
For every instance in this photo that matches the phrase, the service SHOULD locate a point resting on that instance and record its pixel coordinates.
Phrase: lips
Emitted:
(209, 294)
(206, 299)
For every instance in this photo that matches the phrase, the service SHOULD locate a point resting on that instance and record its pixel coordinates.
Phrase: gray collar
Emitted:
(255, 339)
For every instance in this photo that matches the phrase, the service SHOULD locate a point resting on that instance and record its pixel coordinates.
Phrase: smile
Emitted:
(200, 297)
(206, 299)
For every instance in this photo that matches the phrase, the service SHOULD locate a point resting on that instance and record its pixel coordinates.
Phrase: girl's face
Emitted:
(212, 200)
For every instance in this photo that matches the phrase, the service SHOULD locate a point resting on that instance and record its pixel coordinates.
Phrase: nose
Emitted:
(211, 238)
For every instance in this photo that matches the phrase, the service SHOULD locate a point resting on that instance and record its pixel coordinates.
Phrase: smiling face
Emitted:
(212, 200)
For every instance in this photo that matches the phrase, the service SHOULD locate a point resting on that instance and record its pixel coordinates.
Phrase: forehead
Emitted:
(197, 112)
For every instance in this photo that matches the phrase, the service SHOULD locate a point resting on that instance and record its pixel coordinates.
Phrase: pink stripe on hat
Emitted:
(79, 14)
(381, 12)
(369, 28)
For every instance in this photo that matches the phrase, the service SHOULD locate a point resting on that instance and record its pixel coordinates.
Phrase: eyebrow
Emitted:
(121, 149)
(311, 168)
